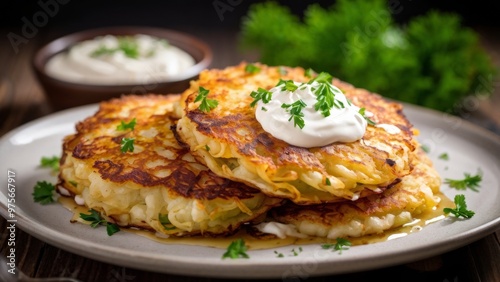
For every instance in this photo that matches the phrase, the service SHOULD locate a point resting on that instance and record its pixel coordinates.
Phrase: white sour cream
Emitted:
(154, 60)
(279, 229)
(344, 124)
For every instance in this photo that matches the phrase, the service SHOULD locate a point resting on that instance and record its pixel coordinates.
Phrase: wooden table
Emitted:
(22, 100)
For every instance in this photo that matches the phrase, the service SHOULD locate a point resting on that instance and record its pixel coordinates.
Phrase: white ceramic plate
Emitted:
(470, 148)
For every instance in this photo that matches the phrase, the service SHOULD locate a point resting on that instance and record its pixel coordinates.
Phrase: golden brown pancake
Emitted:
(157, 186)
(232, 143)
(414, 195)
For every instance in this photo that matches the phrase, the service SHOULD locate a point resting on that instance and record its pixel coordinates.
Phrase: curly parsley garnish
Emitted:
(50, 162)
(295, 110)
(260, 94)
(96, 220)
(342, 244)
(127, 145)
(206, 105)
(127, 125)
(461, 208)
(470, 181)
(237, 249)
(252, 69)
(43, 192)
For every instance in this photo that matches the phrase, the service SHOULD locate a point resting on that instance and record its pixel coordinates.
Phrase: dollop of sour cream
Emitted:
(108, 60)
(344, 124)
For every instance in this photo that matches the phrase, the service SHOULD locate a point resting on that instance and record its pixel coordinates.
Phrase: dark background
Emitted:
(77, 15)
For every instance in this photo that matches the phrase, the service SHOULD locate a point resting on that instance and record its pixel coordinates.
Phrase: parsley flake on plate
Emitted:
(50, 162)
(342, 244)
(469, 181)
(461, 208)
(237, 249)
(96, 220)
(43, 192)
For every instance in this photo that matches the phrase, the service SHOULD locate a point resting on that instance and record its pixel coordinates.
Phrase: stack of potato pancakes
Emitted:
(194, 172)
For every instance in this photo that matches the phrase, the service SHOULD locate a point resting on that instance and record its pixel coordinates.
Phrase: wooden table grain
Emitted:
(22, 100)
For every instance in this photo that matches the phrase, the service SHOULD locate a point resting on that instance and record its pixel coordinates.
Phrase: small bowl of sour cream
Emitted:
(96, 65)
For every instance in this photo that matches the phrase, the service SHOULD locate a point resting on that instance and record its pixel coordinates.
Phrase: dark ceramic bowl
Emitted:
(63, 94)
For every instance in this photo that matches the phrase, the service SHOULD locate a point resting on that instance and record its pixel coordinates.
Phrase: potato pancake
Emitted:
(414, 195)
(126, 163)
(233, 144)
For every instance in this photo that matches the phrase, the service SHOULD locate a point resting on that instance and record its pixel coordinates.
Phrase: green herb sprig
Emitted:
(469, 181)
(126, 125)
(96, 220)
(127, 145)
(50, 162)
(252, 69)
(43, 192)
(461, 208)
(260, 94)
(206, 105)
(340, 245)
(295, 110)
(237, 249)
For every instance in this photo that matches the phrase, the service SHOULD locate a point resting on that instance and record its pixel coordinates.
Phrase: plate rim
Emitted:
(119, 257)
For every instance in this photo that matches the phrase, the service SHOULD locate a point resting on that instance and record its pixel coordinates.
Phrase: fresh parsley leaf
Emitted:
(94, 217)
(236, 249)
(165, 222)
(444, 156)
(260, 94)
(461, 208)
(206, 105)
(322, 77)
(111, 228)
(127, 125)
(362, 113)
(50, 162)
(43, 192)
(96, 220)
(251, 68)
(127, 145)
(295, 110)
(342, 244)
(325, 94)
(470, 181)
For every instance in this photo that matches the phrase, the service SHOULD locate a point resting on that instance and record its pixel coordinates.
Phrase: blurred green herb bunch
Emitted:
(433, 61)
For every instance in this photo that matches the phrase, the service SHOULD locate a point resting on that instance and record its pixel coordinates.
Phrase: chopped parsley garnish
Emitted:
(341, 245)
(279, 255)
(444, 156)
(43, 192)
(425, 148)
(309, 73)
(126, 44)
(363, 114)
(95, 220)
(127, 145)
(461, 208)
(328, 182)
(251, 68)
(236, 249)
(165, 222)
(260, 94)
(127, 125)
(74, 183)
(50, 162)
(264, 109)
(287, 85)
(207, 148)
(325, 94)
(206, 105)
(470, 181)
(295, 110)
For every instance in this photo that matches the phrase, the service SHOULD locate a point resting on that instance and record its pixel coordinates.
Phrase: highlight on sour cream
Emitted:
(111, 60)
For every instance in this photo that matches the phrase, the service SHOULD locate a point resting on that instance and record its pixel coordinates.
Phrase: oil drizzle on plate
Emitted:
(255, 243)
